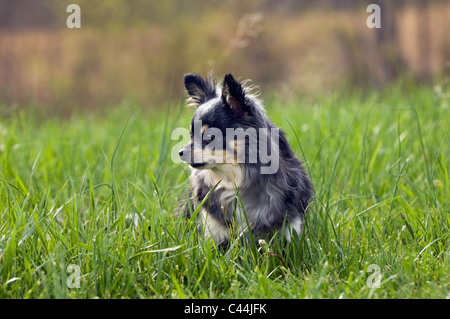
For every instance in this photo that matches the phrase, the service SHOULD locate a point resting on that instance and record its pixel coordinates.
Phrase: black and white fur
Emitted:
(269, 200)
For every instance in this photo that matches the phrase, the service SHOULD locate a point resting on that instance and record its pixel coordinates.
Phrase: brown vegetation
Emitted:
(290, 49)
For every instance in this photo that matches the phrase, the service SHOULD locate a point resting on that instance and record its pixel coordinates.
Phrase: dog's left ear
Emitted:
(233, 95)
(198, 89)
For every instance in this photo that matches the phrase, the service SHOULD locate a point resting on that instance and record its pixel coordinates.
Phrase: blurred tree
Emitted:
(424, 40)
(387, 41)
(24, 14)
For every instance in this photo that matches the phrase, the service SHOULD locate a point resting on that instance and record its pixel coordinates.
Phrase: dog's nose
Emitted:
(180, 153)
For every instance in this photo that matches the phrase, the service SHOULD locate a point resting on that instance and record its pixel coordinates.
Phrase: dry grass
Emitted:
(312, 52)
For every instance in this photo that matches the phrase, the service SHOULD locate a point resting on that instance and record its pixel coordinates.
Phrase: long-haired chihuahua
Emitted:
(242, 163)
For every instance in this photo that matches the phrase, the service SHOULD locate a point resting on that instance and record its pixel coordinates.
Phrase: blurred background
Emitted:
(139, 50)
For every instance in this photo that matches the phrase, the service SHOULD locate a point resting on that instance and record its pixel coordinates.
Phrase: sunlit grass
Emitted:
(99, 191)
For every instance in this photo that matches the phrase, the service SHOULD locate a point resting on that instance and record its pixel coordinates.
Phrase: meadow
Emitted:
(94, 194)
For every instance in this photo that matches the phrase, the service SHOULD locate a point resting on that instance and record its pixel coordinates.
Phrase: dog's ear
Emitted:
(233, 95)
(198, 89)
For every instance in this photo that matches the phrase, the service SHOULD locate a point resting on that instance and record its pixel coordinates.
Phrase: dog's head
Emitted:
(224, 128)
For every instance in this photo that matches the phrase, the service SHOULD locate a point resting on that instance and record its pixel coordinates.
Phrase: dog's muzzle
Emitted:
(187, 156)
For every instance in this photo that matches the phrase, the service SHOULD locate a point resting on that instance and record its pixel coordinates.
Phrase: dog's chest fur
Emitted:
(235, 191)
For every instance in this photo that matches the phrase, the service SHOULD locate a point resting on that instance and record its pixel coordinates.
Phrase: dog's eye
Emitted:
(209, 139)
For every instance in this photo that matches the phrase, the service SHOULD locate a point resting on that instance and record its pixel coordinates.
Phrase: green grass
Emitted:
(99, 191)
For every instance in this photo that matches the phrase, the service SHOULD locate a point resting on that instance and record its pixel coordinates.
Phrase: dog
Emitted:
(242, 167)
